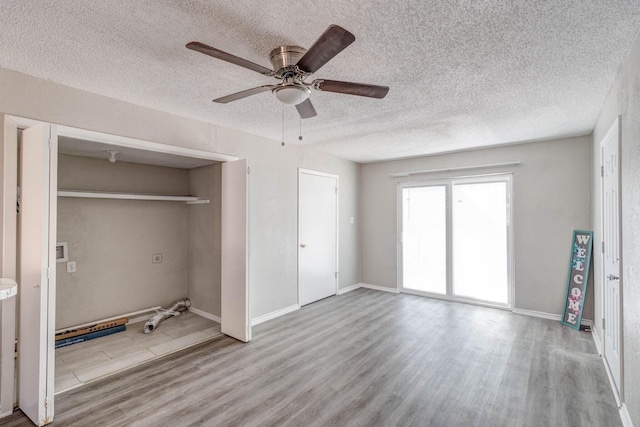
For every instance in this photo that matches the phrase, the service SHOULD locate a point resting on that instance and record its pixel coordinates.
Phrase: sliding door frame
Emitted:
(507, 178)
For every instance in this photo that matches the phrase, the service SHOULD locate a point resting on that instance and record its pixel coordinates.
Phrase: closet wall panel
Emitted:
(112, 241)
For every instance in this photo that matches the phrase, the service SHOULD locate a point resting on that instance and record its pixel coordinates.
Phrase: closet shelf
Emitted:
(129, 196)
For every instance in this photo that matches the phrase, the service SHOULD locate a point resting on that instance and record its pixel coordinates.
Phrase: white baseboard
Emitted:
(550, 316)
(261, 319)
(540, 314)
(205, 314)
(6, 414)
(349, 288)
(379, 288)
(625, 417)
(596, 340)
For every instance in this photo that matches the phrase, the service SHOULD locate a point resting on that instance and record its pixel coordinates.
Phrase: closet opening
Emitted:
(136, 233)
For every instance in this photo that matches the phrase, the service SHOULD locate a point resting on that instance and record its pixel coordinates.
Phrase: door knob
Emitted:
(302, 245)
(612, 277)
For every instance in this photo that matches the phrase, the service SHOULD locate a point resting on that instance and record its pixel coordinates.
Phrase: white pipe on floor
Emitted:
(126, 315)
(174, 310)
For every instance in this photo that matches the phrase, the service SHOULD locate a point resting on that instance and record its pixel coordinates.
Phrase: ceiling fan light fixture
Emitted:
(290, 94)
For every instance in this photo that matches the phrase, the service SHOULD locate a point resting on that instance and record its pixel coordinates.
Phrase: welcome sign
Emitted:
(578, 278)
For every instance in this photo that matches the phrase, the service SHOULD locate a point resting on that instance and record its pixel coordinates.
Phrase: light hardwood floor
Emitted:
(84, 362)
(366, 358)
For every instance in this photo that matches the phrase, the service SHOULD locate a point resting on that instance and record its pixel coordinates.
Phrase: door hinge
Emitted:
(18, 199)
(336, 190)
(48, 272)
(336, 274)
(602, 171)
(50, 143)
(603, 323)
(248, 170)
(603, 246)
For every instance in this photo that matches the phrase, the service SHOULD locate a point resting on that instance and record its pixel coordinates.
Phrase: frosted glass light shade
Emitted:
(291, 95)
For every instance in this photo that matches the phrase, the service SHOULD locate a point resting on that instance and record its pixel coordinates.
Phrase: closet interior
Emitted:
(136, 231)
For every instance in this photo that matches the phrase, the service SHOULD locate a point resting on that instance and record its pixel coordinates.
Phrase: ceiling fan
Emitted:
(292, 65)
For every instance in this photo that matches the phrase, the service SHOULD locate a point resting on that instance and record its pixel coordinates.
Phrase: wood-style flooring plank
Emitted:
(365, 358)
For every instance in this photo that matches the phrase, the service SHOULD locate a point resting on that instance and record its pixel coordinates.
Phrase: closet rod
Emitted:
(459, 168)
(125, 196)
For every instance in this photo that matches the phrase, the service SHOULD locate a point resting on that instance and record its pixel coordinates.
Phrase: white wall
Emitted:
(273, 182)
(624, 100)
(273, 210)
(551, 198)
(112, 241)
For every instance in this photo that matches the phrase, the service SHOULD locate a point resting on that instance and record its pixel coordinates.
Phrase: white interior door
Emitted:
(611, 255)
(36, 233)
(234, 268)
(8, 230)
(317, 235)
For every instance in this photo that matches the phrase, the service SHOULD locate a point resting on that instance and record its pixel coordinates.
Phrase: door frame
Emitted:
(337, 178)
(615, 128)
(508, 178)
(92, 136)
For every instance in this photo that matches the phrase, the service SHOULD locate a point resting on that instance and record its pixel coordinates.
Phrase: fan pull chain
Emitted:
(283, 125)
(300, 134)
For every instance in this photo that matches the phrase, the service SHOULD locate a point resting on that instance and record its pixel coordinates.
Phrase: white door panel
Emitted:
(317, 240)
(37, 300)
(234, 273)
(611, 255)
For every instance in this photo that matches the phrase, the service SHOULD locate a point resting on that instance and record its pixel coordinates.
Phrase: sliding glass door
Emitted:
(424, 219)
(454, 239)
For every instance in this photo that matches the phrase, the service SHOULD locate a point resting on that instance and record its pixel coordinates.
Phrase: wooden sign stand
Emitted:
(578, 278)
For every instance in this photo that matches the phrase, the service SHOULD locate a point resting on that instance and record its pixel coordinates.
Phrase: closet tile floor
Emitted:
(90, 360)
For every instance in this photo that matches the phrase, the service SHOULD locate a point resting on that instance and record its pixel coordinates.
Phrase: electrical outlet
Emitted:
(71, 267)
(156, 258)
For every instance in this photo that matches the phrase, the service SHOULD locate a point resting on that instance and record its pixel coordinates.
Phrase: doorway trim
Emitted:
(123, 141)
(337, 249)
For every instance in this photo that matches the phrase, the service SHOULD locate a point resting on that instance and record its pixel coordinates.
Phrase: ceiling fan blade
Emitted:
(243, 94)
(329, 44)
(217, 53)
(350, 88)
(306, 110)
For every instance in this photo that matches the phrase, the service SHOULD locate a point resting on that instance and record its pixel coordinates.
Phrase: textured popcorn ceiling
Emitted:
(462, 73)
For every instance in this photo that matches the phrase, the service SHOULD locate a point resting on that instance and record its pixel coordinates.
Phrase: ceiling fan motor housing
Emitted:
(284, 57)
